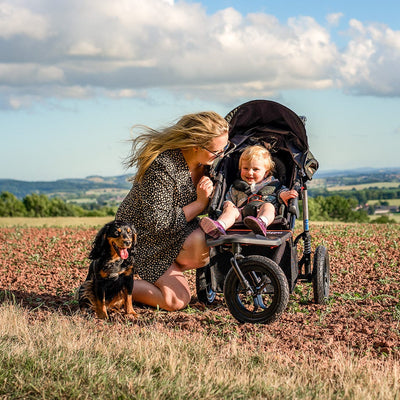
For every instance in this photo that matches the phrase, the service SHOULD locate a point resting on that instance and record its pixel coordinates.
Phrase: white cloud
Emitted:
(370, 62)
(19, 74)
(16, 21)
(80, 48)
(334, 19)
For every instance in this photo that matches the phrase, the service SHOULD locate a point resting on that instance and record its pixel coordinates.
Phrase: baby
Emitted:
(257, 192)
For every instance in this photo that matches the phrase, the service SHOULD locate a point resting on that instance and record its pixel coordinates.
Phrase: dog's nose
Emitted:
(127, 242)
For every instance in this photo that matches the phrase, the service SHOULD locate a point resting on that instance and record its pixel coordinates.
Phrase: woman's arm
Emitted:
(204, 191)
(158, 201)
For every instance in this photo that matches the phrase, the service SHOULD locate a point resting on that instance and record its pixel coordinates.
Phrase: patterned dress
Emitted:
(155, 208)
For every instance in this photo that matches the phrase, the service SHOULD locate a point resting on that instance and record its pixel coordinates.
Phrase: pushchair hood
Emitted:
(277, 126)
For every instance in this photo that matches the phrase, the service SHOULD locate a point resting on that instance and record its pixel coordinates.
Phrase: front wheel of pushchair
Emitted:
(267, 297)
(321, 275)
(205, 293)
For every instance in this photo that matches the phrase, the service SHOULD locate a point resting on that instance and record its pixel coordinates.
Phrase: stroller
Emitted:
(256, 273)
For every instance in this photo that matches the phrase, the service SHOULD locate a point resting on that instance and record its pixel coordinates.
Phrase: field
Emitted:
(391, 202)
(361, 186)
(348, 349)
(395, 217)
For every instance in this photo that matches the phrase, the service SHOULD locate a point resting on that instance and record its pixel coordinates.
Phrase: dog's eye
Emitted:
(128, 230)
(119, 230)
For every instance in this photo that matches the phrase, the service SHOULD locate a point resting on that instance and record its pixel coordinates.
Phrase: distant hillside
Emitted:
(78, 188)
(356, 176)
(356, 172)
(22, 188)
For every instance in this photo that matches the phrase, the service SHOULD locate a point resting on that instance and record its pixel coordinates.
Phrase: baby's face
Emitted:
(253, 171)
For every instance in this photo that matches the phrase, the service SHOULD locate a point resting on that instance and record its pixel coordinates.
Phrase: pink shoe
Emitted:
(212, 228)
(257, 225)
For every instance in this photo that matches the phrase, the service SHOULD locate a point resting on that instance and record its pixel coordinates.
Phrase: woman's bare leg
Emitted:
(171, 291)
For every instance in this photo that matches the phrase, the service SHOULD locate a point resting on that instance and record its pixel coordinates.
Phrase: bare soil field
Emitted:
(41, 267)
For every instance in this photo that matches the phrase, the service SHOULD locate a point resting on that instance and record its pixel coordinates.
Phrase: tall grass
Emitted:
(69, 357)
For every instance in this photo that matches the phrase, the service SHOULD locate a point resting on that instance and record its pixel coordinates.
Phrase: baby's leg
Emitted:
(229, 216)
(267, 210)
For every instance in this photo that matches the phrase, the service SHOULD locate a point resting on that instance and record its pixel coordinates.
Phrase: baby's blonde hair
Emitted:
(260, 153)
(191, 130)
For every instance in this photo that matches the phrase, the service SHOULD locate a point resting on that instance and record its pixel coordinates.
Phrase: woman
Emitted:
(169, 191)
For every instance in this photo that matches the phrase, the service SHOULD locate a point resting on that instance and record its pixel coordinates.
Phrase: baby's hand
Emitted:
(288, 194)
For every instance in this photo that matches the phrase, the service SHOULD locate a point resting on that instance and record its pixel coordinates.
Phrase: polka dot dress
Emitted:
(155, 208)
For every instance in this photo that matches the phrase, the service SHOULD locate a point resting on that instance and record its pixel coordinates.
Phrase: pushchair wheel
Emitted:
(321, 275)
(269, 287)
(205, 292)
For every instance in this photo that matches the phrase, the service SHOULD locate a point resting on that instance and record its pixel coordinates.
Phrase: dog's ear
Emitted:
(99, 246)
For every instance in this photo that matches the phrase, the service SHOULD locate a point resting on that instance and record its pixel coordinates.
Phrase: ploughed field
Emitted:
(40, 269)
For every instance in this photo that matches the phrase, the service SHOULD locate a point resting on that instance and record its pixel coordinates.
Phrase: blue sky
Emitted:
(75, 75)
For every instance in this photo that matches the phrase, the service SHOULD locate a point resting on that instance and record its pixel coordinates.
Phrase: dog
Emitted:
(109, 282)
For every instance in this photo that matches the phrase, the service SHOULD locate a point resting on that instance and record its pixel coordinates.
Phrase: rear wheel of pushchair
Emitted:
(269, 294)
(321, 275)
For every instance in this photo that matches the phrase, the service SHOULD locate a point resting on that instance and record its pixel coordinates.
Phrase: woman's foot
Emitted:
(212, 228)
(257, 225)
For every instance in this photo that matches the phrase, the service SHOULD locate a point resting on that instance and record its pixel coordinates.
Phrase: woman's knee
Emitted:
(177, 301)
(195, 252)
(174, 288)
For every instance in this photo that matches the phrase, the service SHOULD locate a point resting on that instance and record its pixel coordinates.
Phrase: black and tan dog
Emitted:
(109, 283)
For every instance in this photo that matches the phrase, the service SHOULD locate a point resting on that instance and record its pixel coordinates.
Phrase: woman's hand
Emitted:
(288, 194)
(204, 190)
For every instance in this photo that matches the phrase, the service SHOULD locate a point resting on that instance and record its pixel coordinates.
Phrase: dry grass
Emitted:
(53, 221)
(65, 357)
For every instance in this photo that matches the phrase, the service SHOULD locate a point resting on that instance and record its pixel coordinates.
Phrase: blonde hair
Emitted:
(191, 130)
(257, 152)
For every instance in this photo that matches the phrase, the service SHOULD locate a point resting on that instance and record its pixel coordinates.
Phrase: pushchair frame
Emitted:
(257, 273)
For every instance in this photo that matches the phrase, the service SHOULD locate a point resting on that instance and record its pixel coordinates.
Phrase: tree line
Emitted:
(330, 208)
(39, 205)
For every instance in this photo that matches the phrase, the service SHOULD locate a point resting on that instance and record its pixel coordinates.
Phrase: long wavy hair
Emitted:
(191, 130)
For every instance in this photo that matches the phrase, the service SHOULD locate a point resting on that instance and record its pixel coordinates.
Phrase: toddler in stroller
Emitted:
(256, 269)
(254, 198)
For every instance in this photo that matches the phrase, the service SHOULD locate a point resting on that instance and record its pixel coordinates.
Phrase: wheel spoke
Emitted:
(258, 302)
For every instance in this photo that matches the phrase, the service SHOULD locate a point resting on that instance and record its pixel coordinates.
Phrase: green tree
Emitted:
(336, 208)
(37, 205)
(59, 208)
(10, 206)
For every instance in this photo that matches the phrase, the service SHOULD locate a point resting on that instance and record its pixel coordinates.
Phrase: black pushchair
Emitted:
(255, 273)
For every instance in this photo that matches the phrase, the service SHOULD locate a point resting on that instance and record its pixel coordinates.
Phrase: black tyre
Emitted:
(270, 291)
(205, 293)
(321, 275)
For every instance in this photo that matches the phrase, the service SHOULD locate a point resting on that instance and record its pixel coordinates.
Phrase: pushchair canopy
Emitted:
(275, 125)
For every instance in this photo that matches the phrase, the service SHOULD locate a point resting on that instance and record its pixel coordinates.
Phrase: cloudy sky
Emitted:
(75, 75)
